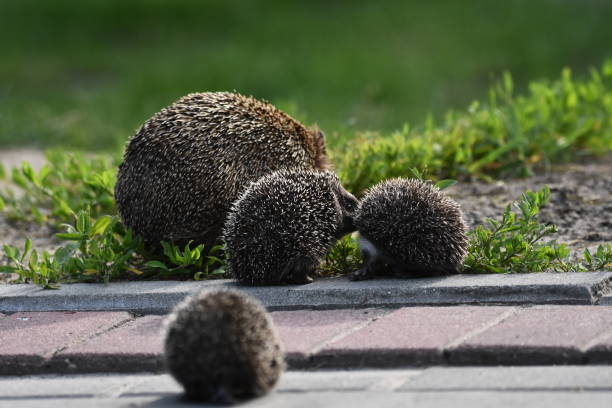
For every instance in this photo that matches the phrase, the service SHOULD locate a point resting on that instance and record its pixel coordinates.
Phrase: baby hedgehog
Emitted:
(412, 227)
(188, 163)
(222, 347)
(282, 225)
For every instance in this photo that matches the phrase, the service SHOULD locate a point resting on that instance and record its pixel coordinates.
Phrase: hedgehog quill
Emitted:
(186, 165)
(222, 347)
(280, 228)
(411, 227)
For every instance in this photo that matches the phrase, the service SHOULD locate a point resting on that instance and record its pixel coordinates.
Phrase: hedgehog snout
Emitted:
(348, 206)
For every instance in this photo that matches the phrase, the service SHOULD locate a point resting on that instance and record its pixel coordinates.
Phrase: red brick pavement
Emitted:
(119, 342)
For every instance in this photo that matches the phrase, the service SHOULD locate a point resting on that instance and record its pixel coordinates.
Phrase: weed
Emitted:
(508, 136)
(342, 258)
(66, 183)
(101, 250)
(517, 244)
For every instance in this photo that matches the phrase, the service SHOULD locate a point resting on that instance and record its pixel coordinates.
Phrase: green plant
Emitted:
(188, 260)
(516, 243)
(66, 183)
(342, 258)
(507, 136)
(600, 260)
(101, 250)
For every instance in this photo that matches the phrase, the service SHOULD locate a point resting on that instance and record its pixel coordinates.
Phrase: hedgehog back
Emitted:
(414, 223)
(283, 216)
(222, 344)
(188, 163)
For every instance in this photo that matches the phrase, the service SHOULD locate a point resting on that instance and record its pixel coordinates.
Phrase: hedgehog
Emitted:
(410, 227)
(282, 225)
(186, 165)
(221, 346)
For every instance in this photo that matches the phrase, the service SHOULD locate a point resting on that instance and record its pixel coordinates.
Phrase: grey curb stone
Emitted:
(606, 300)
(160, 297)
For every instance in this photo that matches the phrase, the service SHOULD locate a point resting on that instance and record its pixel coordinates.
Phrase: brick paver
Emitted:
(457, 335)
(414, 335)
(600, 350)
(303, 330)
(539, 335)
(32, 338)
(135, 346)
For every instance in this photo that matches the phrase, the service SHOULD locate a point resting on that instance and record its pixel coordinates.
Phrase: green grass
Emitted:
(87, 74)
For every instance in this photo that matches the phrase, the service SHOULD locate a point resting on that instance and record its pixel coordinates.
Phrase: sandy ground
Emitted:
(580, 205)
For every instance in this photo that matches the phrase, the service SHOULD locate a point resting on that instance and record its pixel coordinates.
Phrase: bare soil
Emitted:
(580, 204)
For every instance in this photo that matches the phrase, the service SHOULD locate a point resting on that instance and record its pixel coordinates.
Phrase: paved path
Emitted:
(80, 342)
(160, 297)
(521, 387)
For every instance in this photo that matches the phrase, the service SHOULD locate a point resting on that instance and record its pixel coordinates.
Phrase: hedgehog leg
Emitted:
(371, 261)
(298, 271)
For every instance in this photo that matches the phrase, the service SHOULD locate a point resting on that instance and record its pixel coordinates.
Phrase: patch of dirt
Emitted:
(580, 204)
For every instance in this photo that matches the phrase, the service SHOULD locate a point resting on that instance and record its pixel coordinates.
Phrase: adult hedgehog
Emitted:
(186, 165)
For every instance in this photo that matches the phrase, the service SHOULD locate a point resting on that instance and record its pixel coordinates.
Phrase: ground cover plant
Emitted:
(507, 135)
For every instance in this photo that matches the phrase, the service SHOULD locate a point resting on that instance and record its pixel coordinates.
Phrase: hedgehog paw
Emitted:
(361, 274)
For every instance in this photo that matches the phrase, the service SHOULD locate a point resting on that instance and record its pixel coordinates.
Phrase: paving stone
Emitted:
(600, 351)
(414, 335)
(539, 335)
(135, 346)
(606, 300)
(152, 384)
(28, 340)
(64, 386)
(346, 380)
(302, 331)
(347, 399)
(455, 388)
(161, 297)
(543, 378)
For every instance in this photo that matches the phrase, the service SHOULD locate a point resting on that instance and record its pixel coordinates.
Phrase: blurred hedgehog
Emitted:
(411, 227)
(282, 226)
(222, 347)
(188, 163)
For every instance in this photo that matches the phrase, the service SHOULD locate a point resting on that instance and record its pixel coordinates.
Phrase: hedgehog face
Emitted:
(348, 207)
(283, 224)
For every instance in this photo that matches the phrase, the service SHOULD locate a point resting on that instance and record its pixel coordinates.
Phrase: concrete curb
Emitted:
(356, 359)
(161, 296)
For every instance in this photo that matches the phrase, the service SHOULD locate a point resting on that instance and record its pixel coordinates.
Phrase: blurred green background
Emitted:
(86, 74)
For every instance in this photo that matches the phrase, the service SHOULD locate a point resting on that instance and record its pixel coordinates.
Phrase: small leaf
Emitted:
(442, 184)
(134, 270)
(28, 247)
(71, 236)
(156, 264)
(101, 225)
(8, 269)
(416, 173)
